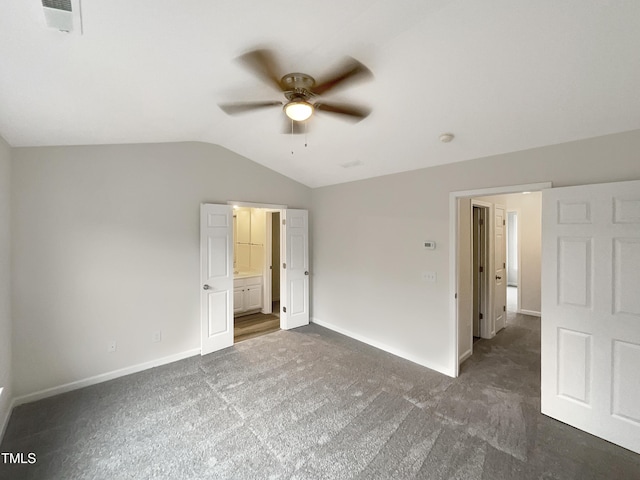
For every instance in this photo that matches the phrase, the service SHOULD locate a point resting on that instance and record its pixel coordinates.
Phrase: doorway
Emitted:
(231, 287)
(480, 257)
(256, 268)
(461, 277)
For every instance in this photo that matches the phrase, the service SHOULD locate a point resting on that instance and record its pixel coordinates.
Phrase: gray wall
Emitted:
(367, 239)
(106, 246)
(5, 262)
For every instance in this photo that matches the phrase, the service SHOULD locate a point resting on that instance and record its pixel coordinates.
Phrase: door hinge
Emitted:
(480, 316)
(504, 265)
(284, 221)
(504, 308)
(284, 265)
(481, 269)
(504, 222)
(481, 222)
(284, 309)
(456, 296)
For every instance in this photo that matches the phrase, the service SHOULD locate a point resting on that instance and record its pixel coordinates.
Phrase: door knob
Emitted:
(207, 287)
(306, 273)
(498, 278)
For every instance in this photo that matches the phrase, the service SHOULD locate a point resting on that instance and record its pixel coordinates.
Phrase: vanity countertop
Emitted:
(246, 274)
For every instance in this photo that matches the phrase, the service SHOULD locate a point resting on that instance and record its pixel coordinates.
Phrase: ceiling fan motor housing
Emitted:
(297, 85)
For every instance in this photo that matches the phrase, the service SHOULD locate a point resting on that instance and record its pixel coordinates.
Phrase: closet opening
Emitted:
(480, 257)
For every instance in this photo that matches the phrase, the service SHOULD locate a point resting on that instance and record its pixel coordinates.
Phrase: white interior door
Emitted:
(591, 309)
(499, 258)
(216, 267)
(294, 292)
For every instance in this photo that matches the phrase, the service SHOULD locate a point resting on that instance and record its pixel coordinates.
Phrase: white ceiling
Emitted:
(502, 75)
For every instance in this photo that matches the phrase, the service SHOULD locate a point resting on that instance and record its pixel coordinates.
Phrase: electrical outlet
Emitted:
(430, 277)
(157, 336)
(112, 346)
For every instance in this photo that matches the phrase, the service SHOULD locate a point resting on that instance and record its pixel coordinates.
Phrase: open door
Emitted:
(216, 267)
(294, 281)
(591, 309)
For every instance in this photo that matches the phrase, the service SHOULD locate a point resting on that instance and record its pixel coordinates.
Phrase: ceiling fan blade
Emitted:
(243, 107)
(262, 62)
(293, 127)
(354, 112)
(351, 70)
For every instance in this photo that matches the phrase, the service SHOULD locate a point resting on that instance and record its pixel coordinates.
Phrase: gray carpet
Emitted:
(312, 404)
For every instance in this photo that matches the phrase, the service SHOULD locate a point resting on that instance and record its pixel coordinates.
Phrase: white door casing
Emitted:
(591, 309)
(267, 296)
(216, 275)
(500, 277)
(294, 281)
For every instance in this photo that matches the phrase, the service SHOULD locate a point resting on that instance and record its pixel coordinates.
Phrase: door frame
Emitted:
(453, 253)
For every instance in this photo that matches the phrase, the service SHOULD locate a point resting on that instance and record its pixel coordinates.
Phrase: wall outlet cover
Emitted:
(430, 277)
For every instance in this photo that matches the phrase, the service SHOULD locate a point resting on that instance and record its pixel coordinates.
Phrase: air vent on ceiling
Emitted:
(354, 163)
(63, 15)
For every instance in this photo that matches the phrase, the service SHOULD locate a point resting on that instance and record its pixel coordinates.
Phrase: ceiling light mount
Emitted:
(446, 137)
(297, 90)
(297, 81)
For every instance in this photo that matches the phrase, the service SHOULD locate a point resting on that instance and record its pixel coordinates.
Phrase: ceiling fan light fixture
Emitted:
(298, 110)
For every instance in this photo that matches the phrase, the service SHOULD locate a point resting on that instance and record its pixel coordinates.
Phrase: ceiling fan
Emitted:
(300, 90)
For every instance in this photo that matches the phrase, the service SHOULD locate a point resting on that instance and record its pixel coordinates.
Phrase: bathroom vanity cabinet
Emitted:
(247, 294)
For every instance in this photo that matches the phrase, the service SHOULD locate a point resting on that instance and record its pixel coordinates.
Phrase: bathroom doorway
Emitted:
(236, 279)
(256, 239)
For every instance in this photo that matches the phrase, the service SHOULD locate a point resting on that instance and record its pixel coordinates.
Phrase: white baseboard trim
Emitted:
(103, 377)
(382, 346)
(465, 355)
(533, 313)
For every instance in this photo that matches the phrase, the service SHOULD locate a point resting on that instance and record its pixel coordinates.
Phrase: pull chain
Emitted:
(306, 131)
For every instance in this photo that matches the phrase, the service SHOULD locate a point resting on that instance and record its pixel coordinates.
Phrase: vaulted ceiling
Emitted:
(502, 75)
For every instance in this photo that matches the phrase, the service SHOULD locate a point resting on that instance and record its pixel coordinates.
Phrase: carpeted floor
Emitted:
(312, 404)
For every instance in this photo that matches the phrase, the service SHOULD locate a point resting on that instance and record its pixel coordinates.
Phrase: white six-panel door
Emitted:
(591, 309)
(216, 294)
(294, 280)
(499, 260)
